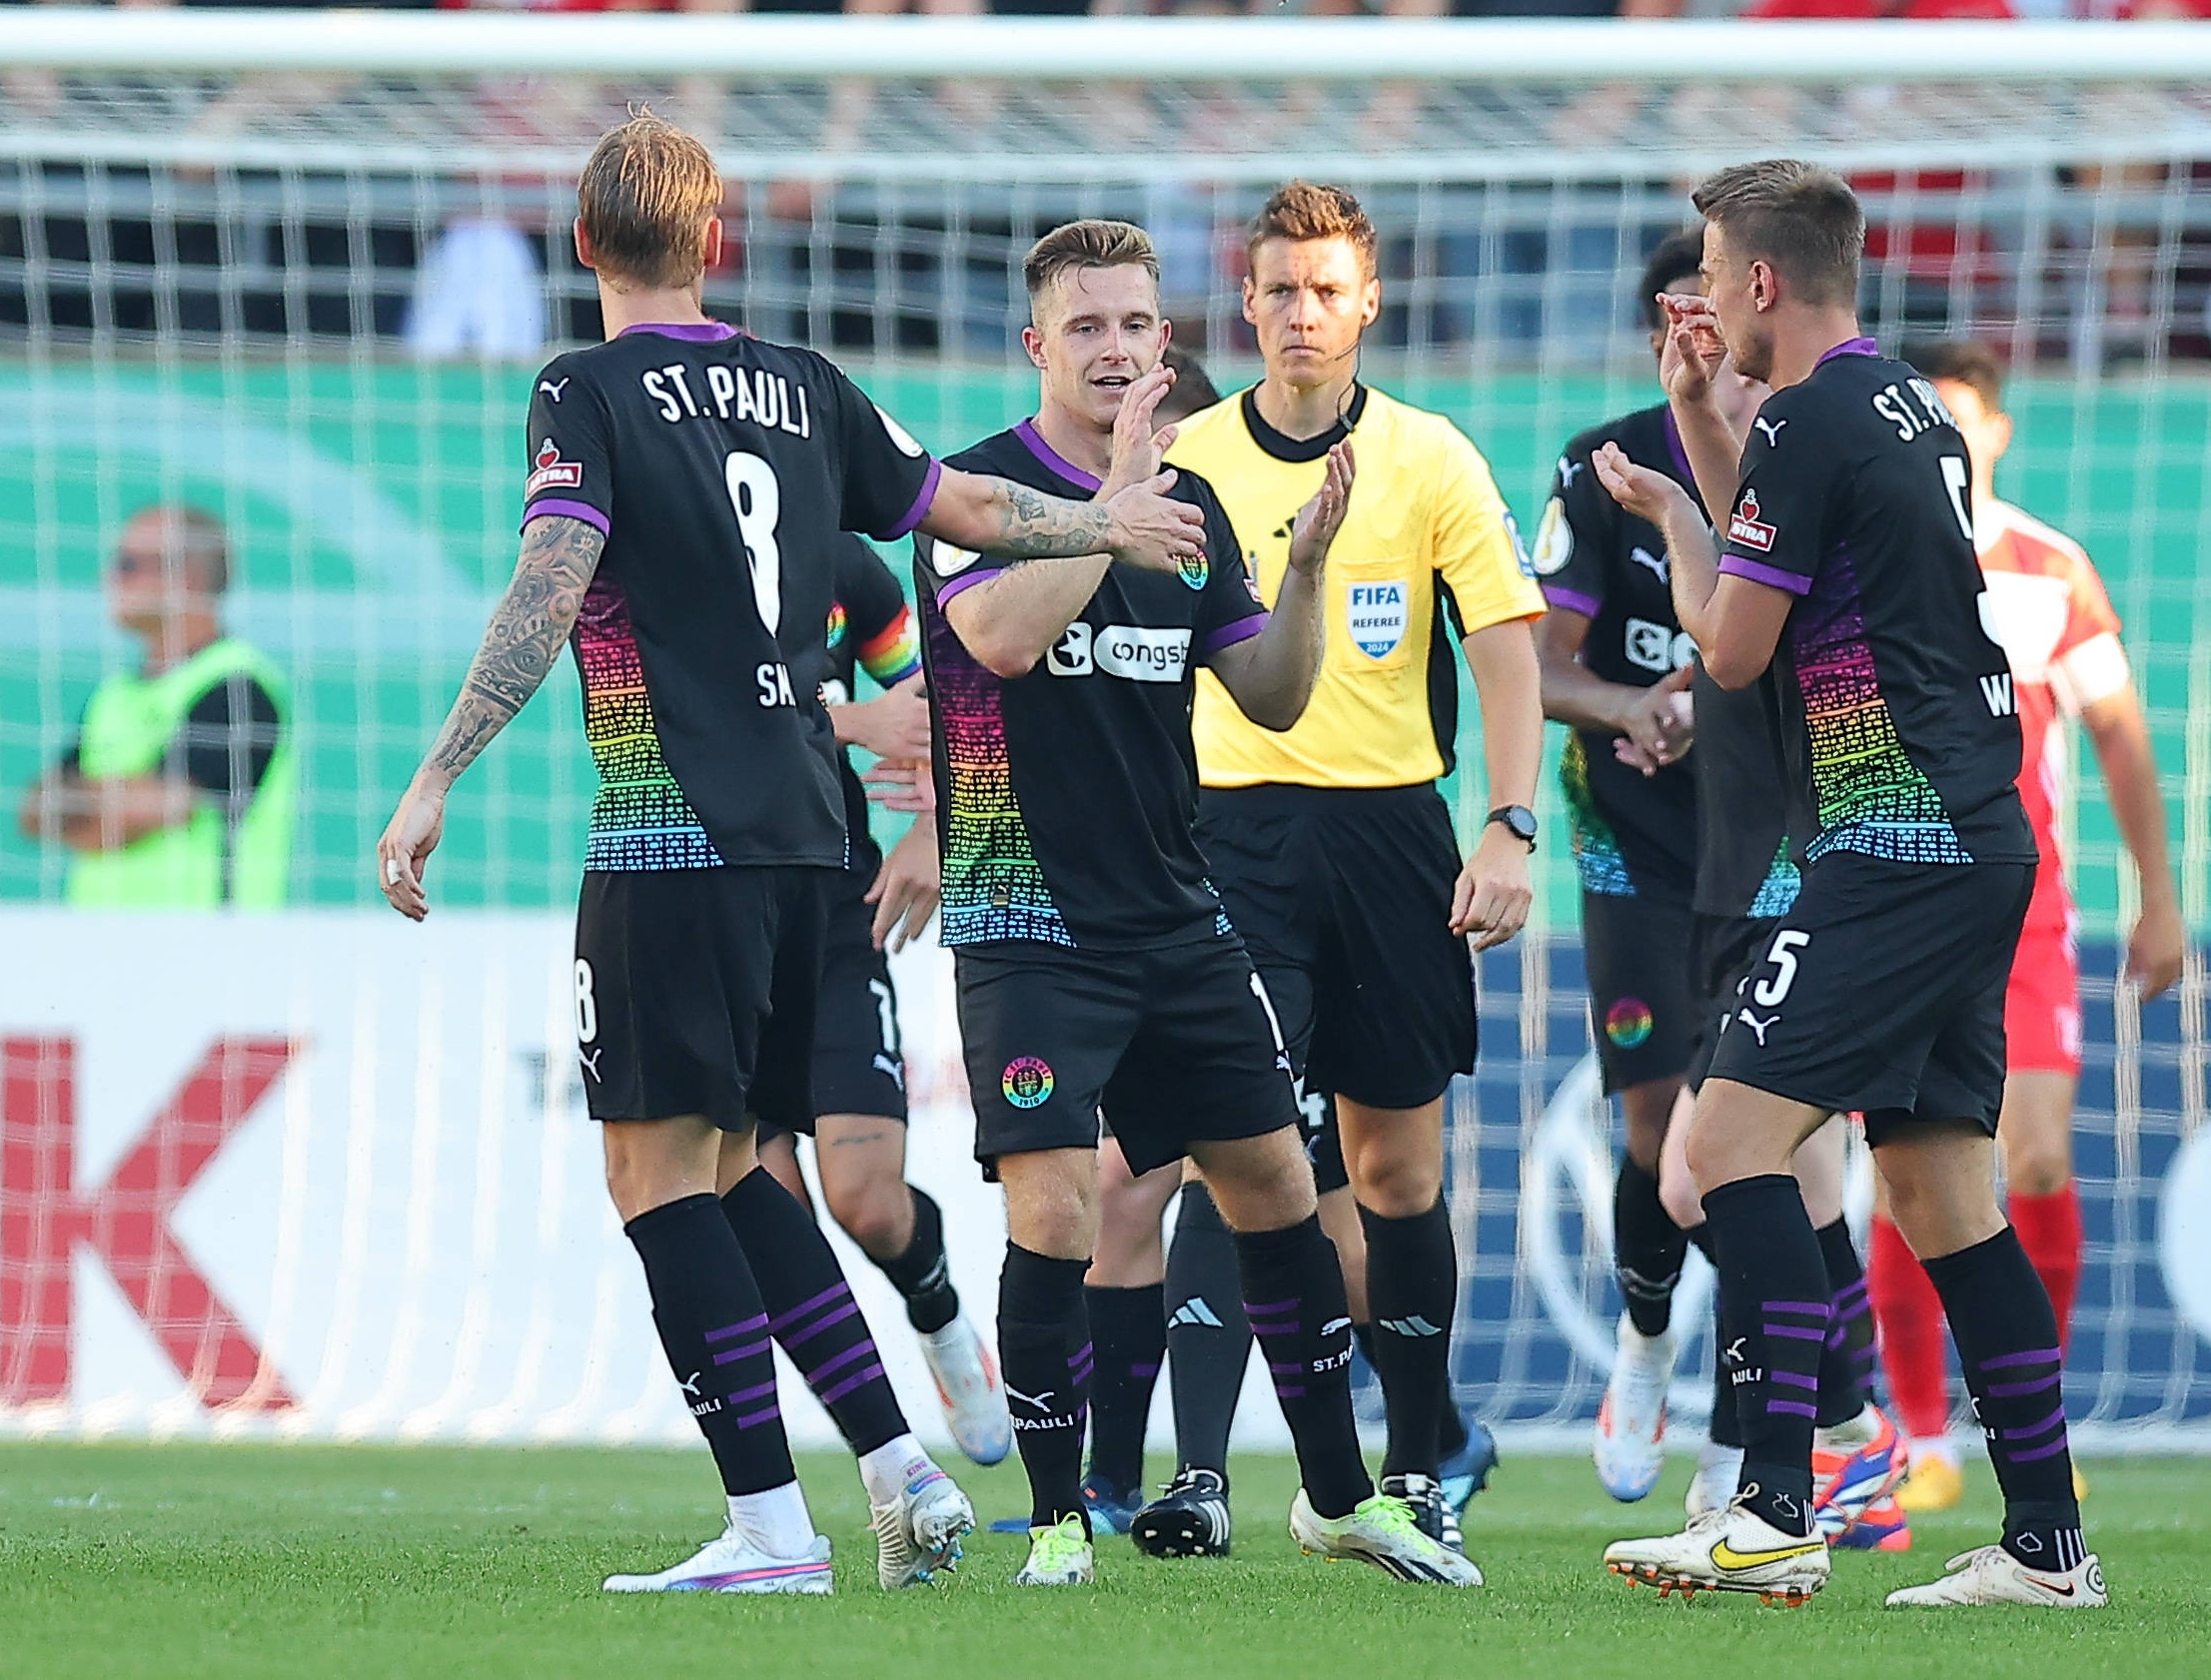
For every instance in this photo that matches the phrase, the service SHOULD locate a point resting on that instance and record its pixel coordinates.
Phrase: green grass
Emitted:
(327, 1562)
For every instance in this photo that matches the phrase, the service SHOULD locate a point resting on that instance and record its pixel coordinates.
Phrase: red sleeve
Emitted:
(2088, 609)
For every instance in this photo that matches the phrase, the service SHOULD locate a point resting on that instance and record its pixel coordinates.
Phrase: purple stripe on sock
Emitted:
(1849, 1292)
(1082, 1372)
(2012, 1391)
(1273, 1330)
(748, 1351)
(2033, 1355)
(2033, 1453)
(1288, 1391)
(1253, 1308)
(1285, 1368)
(1793, 1379)
(1793, 1408)
(1810, 1309)
(1795, 1332)
(783, 1321)
(758, 1391)
(2028, 1433)
(862, 1349)
(1080, 1355)
(729, 1330)
(1147, 1368)
(792, 1344)
(857, 1379)
(752, 1419)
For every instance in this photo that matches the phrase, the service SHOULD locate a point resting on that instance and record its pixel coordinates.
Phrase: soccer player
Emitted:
(1617, 666)
(1847, 567)
(2056, 628)
(1684, 865)
(1124, 1293)
(1333, 849)
(859, 1070)
(1095, 966)
(687, 482)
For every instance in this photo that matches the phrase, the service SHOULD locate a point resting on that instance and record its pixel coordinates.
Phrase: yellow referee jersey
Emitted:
(1425, 512)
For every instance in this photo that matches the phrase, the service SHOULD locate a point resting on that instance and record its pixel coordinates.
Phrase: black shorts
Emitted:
(1722, 952)
(1344, 897)
(1642, 1007)
(859, 1065)
(694, 993)
(1176, 1046)
(1883, 990)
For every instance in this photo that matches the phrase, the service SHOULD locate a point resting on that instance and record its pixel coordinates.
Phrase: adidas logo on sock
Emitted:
(1415, 1325)
(1195, 1314)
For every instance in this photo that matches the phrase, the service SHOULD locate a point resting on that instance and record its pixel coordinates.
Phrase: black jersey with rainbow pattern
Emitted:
(722, 470)
(1065, 795)
(1897, 712)
(1631, 833)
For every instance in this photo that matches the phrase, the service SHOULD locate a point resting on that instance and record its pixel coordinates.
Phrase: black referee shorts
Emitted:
(1883, 990)
(1641, 1005)
(696, 993)
(1176, 1046)
(1344, 897)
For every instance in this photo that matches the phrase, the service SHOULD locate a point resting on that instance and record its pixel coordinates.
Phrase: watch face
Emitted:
(1519, 820)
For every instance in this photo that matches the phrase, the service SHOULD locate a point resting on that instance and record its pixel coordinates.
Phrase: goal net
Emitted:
(322, 1172)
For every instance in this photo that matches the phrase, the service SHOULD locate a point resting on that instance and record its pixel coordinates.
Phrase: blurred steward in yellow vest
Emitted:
(180, 791)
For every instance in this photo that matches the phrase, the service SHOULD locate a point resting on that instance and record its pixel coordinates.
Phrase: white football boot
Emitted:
(732, 1563)
(919, 1532)
(970, 1389)
(1631, 1425)
(1732, 1550)
(1383, 1531)
(1992, 1575)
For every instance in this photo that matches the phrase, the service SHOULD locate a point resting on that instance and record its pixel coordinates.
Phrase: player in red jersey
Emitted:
(2049, 611)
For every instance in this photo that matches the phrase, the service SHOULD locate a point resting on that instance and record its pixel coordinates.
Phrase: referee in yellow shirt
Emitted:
(1331, 846)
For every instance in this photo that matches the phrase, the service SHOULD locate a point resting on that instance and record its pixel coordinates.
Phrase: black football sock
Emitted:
(1208, 1337)
(2006, 1335)
(1725, 1428)
(715, 1327)
(1294, 1295)
(1847, 1361)
(922, 1274)
(1451, 1437)
(1773, 1284)
(1647, 1249)
(1128, 1333)
(811, 1312)
(1044, 1353)
(1411, 1290)
(1362, 1337)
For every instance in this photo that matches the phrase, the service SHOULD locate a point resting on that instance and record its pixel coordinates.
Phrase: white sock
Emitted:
(885, 1472)
(775, 1521)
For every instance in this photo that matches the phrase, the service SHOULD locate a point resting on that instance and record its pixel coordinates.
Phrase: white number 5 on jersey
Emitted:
(757, 501)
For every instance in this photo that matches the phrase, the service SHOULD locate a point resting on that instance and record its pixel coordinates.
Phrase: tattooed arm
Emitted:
(1138, 525)
(528, 628)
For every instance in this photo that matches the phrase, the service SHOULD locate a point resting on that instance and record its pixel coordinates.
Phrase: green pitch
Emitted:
(330, 1562)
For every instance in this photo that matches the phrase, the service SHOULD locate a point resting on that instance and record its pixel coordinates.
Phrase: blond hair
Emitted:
(1802, 220)
(1091, 243)
(644, 201)
(1304, 211)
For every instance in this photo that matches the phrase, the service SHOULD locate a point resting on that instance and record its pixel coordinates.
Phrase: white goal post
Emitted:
(298, 268)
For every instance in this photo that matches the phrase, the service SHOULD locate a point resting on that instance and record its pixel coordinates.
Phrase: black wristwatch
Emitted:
(1517, 821)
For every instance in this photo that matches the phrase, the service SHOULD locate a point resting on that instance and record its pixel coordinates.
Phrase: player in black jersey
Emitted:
(1616, 667)
(1124, 1293)
(1847, 567)
(859, 1069)
(1095, 966)
(686, 484)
